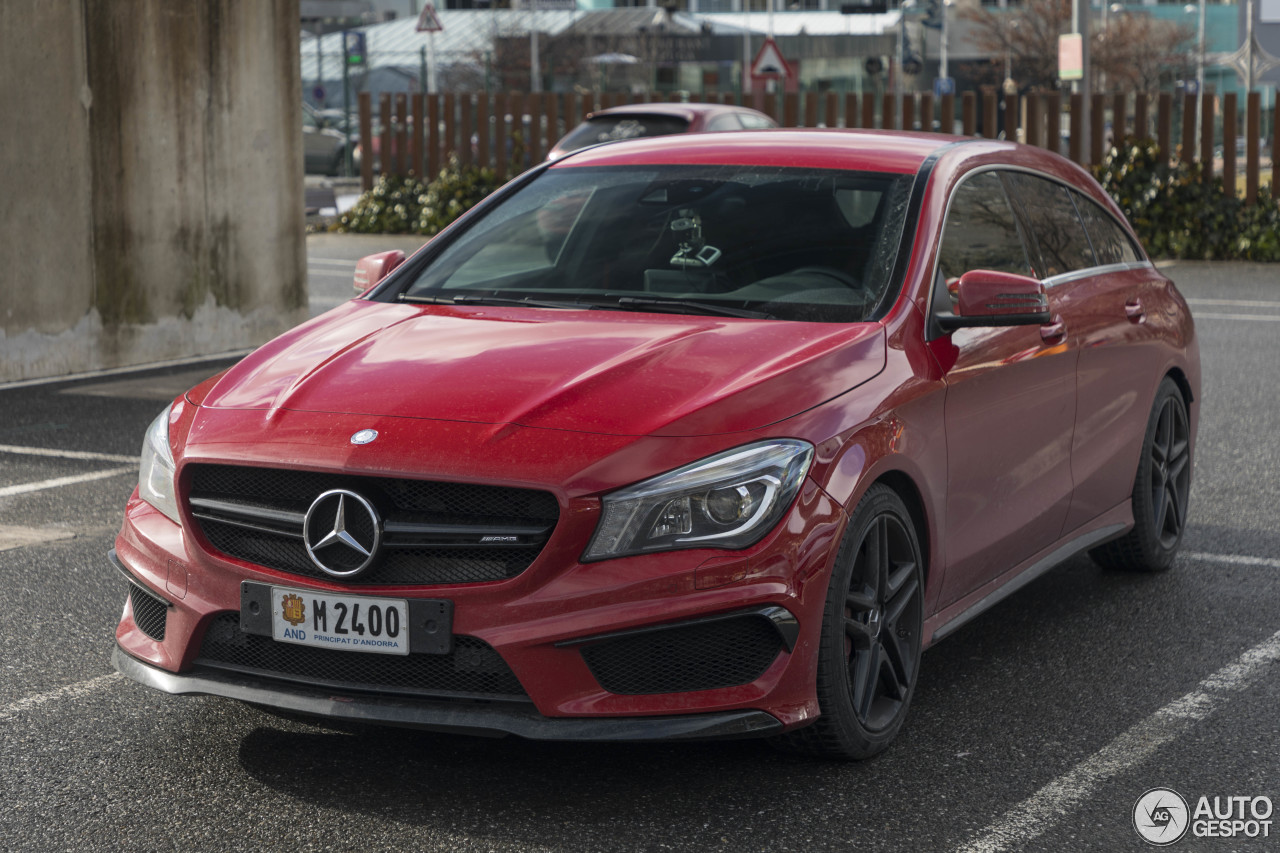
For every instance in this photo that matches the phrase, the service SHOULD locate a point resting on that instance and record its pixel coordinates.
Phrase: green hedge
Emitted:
(1177, 214)
(409, 206)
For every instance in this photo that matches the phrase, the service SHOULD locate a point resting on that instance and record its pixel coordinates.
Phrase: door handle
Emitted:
(1134, 311)
(1053, 331)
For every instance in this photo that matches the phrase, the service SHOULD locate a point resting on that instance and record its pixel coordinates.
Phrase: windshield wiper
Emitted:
(481, 299)
(624, 303)
(642, 303)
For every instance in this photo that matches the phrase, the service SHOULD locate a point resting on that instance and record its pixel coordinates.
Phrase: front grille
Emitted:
(696, 656)
(435, 533)
(472, 670)
(150, 614)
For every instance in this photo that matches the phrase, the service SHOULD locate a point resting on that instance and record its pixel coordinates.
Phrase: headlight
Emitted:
(730, 500)
(155, 479)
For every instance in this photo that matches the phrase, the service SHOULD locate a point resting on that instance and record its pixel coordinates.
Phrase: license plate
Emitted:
(345, 622)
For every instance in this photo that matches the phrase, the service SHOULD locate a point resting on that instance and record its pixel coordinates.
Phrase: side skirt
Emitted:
(1107, 526)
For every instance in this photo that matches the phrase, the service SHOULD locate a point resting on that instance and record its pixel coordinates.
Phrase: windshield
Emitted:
(790, 244)
(609, 128)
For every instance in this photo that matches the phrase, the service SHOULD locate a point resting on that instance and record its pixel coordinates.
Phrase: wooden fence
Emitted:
(481, 128)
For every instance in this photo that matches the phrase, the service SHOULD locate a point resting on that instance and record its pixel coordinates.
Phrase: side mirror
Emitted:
(372, 269)
(990, 298)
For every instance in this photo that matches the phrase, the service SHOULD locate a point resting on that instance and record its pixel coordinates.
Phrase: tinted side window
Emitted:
(724, 122)
(1059, 244)
(981, 232)
(607, 128)
(751, 121)
(1111, 244)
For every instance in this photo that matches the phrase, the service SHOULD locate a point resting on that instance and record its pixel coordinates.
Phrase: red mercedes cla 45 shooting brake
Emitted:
(687, 437)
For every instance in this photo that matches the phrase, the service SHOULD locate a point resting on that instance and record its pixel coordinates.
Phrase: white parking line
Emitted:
(1272, 318)
(342, 262)
(120, 371)
(332, 302)
(1035, 815)
(58, 482)
(67, 454)
(70, 691)
(1234, 559)
(1241, 303)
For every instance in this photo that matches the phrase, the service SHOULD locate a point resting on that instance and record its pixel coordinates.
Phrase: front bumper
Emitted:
(485, 720)
(545, 630)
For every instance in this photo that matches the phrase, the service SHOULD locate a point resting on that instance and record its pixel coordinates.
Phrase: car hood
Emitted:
(600, 372)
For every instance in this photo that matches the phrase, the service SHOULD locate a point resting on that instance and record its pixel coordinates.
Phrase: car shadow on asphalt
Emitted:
(1085, 652)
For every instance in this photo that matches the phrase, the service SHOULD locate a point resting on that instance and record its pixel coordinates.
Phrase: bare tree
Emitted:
(1131, 54)
(1137, 50)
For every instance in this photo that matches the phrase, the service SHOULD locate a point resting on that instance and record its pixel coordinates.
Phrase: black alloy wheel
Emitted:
(869, 654)
(882, 622)
(1160, 491)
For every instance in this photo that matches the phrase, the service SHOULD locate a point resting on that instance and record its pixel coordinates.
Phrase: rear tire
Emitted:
(1160, 490)
(869, 653)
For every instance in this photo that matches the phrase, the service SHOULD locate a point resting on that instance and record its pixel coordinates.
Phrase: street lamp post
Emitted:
(535, 74)
(942, 40)
(1249, 44)
(1008, 48)
(1200, 53)
(1106, 49)
(899, 85)
(1084, 86)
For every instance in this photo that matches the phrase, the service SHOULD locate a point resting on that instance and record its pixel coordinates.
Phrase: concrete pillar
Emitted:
(152, 177)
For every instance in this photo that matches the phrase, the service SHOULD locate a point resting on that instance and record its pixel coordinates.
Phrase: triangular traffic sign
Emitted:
(428, 21)
(769, 61)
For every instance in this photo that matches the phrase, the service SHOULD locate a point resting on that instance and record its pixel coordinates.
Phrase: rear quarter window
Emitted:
(1111, 243)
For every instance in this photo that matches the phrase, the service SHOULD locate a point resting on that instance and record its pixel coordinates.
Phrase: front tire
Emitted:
(1160, 490)
(869, 653)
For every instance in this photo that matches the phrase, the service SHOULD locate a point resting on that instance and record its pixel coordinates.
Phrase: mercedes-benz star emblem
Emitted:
(342, 533)
(364, 436)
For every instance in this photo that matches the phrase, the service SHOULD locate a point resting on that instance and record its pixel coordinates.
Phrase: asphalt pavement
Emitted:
(1035, 727)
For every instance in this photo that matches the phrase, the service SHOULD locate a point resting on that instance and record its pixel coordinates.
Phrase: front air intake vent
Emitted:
(704, 655)
(472, 670)
(150, 613)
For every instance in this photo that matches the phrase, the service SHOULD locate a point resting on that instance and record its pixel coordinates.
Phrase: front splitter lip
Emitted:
(487, 721)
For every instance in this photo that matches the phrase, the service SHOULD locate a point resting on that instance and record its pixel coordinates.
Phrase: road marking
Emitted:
(1234, 559)
(1243, 303)
(334, 275)
(70, 691)
(1035, 815)
(67, 454)
(117, 371)
(1274, 318)
(343, 262)
(332, 302)
(12, 537)
(58, 482)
